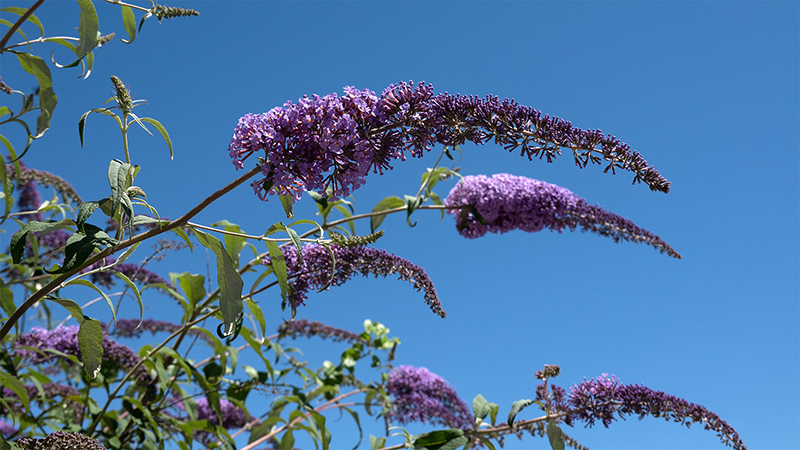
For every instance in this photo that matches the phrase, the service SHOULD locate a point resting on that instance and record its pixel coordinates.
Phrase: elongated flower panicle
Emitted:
(316, 270)
(50, 392)
(306, 328)
(504, 202)
(333, 141)
(604, 399)
(65, 340)
(420, 395)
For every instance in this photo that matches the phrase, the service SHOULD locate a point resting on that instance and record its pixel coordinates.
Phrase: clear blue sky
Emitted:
(706, 91)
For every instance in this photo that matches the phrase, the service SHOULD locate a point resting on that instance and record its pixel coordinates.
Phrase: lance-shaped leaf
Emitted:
(47, 98)
(81, 245)
(449, 439)
(90, 342)
(482, 408)
(516, 407)
(229, 280)
(383, 205)
(161, 130)
(71, 306)
(17, 387)
(555, 436)
(19, 238)
(82, 120)
(120, 178)
(87, 32)
(129, 21)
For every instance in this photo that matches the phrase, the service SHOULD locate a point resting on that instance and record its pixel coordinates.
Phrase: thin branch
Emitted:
(18, 24)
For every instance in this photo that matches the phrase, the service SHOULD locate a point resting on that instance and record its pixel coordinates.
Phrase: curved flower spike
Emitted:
(333, 141)
(420, 395)
(506, 202)
(315, 272)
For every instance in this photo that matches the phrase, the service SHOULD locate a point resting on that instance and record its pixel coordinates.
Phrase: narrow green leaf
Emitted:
(32, 18)
(287, 441)
(127, 253)
(47, 98)
(87, 29)
(19, 238)
(383, 205)
(480, 407)
(376, 443)
(412, 203)
(255, 310)
(86, 210)
(90, 342)
(516, 407)
(4, 445)
(555, 436)
(449, 439)
(286, 201)
(229, 280)
(161, 130)
(279, 267)
(82, 120)
(129, 21)
(135, 290)
(233, 244)
(73, 307)
(15, 385)
(7, 301)
(192, 284)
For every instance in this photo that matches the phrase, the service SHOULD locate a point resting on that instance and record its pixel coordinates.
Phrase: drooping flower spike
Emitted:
(333, 141)
(317, 271)
(419, 395)
(504, 202)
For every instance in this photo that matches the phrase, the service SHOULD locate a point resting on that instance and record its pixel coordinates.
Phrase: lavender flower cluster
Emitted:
(307, 328)
(604, 399)
(49, 392)
(132, 328)
(504, 202)
(65, 340)
(420, 395)
(332, 141)
(232, 415)
(316, 270)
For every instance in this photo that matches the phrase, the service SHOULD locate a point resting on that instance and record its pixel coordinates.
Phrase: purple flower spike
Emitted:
(60, 440)
(232, 416)
(332, 142)
(603, 399)
(422, 396)
(315, 271)
(506, 202)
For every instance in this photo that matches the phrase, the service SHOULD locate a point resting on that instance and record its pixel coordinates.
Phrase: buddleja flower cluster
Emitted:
(318, 270)
(64, 339)
(333, 141)
(420, 395)
(604, 399)
(60, 440)
(504, 202)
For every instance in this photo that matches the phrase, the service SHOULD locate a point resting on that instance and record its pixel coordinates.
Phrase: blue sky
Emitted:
(706, 91)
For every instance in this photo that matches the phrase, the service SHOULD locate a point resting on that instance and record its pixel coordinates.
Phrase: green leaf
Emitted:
(279, 267)
(90, 341)
(8, 186)
(449, 439)
(287, 441)
(73, 307)
(286, 201)
(255, 310)
(516, 407)
(87, 32)
(555, 435)
(120, 178)
(161, 130)
(412, 203)
(129, 21)
(376, 443)
(135, 290)
(86, 210)
(82, 120)
(383, 205)
(233, 244)
(19, 238)
(15, 385)
(7, 300)
(192, 284)
(80, 246)
(229, 280)
(47, 98)
(482, 408)
(21, 11)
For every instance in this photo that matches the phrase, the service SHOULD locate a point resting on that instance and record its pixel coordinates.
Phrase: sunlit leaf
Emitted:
(229, 280)
(90, 342)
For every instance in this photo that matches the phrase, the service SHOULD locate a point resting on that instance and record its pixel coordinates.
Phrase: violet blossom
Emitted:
(504, 202)
(333, 141)
(422, 396)
(65, 340)
(315, 271)
(50, 392)
(307, 328)
(604, 399)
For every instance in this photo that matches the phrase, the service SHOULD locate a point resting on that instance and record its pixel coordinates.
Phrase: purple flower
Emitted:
(315, 272)
(30, 200)
(135, 272)
(7, 429)
(65, 340)
(306, 328)
(604, 399)
(51, 392)
(506, 202)
(232, 416)
(131, 328)
(420, 395)
(60, 440)
(332, 142)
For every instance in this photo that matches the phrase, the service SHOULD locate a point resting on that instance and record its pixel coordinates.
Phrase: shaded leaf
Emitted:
(555, 436)
(229, 280)
(73, 307)
(90, 342)
(383, 205)
(47, 98)
(516, 407)
(449, 439)
(129, 21)
(161, 130)
(15, 385)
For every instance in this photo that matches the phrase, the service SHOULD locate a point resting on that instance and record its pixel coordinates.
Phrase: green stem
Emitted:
(18, 24)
